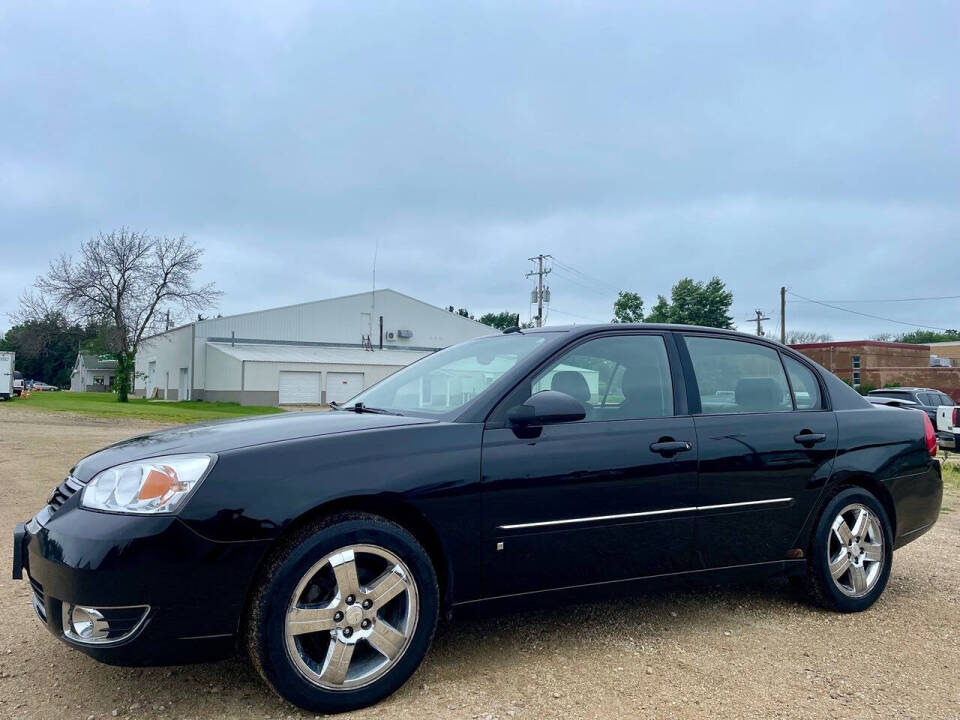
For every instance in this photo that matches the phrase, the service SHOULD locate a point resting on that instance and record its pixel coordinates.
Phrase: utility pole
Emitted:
(758, 319)
(539, 272)
(783, 315)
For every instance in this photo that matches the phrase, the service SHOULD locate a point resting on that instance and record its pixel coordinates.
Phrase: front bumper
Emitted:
(191, 589)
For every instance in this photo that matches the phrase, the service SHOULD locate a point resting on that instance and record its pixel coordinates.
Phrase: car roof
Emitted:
(880, 400)
(669, 327)
(903, 389)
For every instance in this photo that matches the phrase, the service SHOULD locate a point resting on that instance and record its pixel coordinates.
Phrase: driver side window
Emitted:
(624, 377)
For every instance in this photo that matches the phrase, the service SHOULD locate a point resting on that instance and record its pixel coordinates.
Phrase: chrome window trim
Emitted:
(647, 513)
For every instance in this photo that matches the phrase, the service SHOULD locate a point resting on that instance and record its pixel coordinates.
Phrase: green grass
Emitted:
(951, 473)
(106, 405)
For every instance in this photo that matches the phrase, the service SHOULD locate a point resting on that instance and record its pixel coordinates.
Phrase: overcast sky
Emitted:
(814, 145)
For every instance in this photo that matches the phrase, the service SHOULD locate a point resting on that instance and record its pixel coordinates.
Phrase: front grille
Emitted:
(63, 492)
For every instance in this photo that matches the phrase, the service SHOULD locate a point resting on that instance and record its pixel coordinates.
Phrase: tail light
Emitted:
(930, 436)
(954, 423)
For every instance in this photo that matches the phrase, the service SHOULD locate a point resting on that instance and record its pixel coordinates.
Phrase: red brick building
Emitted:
(873, 364)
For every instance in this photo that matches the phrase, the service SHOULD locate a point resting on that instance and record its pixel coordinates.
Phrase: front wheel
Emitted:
(851, 553)
(344, 614)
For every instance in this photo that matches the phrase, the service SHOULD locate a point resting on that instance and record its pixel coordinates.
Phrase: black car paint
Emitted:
(456, 480)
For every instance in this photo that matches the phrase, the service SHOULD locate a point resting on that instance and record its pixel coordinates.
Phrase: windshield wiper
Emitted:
(361, 408)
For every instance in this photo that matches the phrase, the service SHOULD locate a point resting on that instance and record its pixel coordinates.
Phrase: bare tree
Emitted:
(796, 337)
(127, 281)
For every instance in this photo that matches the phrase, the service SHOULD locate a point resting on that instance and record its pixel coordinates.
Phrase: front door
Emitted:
(767, 444)
(601, 499)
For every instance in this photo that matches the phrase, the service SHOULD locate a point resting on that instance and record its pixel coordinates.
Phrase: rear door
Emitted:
(767, 443)
(599, 499)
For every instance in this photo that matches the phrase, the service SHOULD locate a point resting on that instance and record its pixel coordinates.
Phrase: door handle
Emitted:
(809, 438)
(669, 448)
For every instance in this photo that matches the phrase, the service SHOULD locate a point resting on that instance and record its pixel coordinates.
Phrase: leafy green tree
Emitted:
(628, 307)
(500, 320)
(695, 303)
(462, 312)
(922, 337)
(47, 347)
(660, 313)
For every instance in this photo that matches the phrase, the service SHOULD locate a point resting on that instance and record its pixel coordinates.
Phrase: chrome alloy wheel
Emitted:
(351, 617)
(855, 550)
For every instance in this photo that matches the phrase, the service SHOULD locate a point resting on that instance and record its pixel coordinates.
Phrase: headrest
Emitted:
(572, 383)
(758, 393)
(642, 389)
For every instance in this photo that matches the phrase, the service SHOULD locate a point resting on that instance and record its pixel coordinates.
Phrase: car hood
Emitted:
(214, 437)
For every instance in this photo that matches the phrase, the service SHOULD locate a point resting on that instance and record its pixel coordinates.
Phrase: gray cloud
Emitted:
(813, 145)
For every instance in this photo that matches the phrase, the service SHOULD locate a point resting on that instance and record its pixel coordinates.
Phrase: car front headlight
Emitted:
(146, 487)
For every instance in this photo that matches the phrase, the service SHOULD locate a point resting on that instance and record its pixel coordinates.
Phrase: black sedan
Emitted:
(326, 545)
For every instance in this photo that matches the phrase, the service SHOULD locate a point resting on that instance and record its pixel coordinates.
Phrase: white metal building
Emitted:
(312, 353)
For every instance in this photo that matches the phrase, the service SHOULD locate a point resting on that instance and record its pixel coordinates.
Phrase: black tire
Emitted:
(820, 583)
(265, 622)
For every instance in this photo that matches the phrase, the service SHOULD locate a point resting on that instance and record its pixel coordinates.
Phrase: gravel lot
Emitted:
(746, 652)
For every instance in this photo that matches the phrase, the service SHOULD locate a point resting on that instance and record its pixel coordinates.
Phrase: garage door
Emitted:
(342, 386)
(299, 388)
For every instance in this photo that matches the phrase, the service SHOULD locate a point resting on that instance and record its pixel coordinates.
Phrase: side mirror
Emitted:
(545, 408)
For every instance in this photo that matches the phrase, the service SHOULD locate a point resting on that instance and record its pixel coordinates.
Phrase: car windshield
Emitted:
(448, 379)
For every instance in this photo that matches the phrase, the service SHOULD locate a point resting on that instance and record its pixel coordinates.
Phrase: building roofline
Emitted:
(858, 343)
(341, 297)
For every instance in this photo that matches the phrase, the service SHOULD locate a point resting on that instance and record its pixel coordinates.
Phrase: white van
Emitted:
(6, 374)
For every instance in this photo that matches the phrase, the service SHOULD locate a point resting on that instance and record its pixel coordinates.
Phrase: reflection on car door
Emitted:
(763, 463)
(591, 501)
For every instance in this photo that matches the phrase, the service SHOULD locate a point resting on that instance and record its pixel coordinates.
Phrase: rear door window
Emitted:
(735, 376)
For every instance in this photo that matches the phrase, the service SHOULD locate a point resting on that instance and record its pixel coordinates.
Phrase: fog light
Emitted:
(85, 623)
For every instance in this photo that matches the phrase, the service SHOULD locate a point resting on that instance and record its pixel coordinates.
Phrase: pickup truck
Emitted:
(948, 427)
(927, 399)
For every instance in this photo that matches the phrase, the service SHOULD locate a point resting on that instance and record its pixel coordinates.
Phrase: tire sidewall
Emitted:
(834, 597)
(276, 664)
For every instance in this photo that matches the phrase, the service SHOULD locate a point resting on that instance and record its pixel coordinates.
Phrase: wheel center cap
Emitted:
(855, 550)
(353, 615)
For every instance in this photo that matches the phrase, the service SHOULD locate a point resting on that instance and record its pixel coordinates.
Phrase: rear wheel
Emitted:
(851, 553)
(344, 614)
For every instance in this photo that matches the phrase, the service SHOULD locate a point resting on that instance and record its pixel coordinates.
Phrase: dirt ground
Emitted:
(746, 652)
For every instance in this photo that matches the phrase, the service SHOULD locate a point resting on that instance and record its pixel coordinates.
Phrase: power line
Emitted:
(585, 276)
(888, 300)
(569, 277)
(875, 317)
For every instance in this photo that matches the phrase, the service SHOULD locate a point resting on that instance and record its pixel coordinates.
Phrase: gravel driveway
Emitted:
(746, 652)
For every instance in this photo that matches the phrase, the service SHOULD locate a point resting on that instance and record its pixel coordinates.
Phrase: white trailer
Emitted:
(6, 374)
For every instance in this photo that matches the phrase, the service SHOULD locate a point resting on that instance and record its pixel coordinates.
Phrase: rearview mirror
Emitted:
(545, 408)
